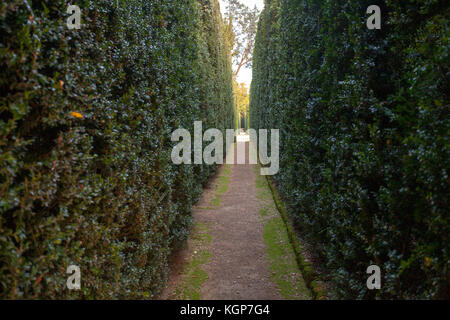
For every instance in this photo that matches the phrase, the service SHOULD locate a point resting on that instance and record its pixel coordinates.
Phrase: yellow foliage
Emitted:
(242, 97)
(77, 115)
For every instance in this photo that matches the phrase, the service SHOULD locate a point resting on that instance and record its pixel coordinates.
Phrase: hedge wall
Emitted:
(364, 120)
(85, 123)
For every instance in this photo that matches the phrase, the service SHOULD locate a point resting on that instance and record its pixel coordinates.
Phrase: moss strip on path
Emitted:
(310, 276)
(283, 265)
(223, 182)
(194, 276)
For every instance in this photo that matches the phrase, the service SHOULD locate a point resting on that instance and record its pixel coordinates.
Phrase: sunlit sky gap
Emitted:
(245, 75)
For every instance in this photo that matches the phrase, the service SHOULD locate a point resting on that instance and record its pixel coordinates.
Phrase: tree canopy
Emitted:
(241, 25)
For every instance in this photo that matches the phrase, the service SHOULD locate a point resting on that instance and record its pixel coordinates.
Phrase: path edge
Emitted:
(312, 280)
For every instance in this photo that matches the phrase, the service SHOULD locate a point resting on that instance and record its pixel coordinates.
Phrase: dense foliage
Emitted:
(364, 120)
(242, 102)
(86, 118)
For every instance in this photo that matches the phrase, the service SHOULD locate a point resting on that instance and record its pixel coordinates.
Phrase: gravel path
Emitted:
(237, 264)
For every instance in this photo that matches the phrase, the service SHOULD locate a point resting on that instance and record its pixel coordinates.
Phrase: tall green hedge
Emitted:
(86, 118)
(364, 120)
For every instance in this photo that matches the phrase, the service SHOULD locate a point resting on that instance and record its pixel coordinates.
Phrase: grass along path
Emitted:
(239, 248)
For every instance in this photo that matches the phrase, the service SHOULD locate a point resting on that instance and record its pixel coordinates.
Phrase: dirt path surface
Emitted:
(238, 249)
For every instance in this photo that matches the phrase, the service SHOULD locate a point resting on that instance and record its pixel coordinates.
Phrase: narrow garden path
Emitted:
(239, 248)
